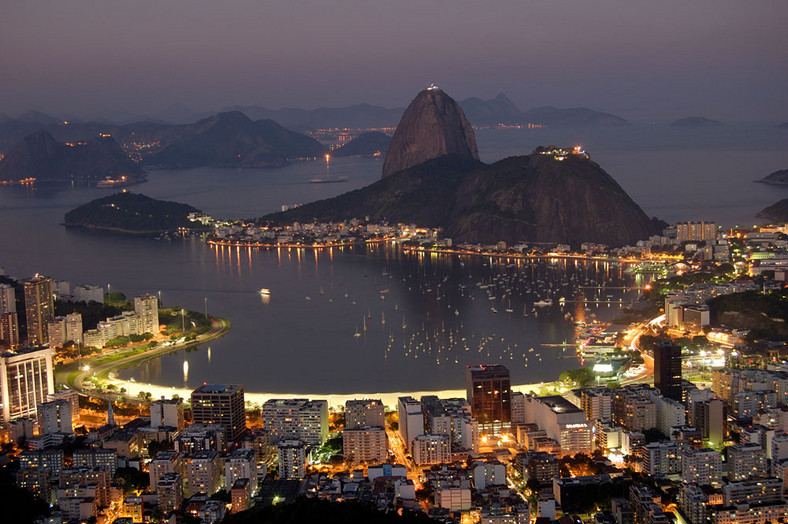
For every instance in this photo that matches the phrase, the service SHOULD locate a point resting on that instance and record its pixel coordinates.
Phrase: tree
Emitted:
(580, 377)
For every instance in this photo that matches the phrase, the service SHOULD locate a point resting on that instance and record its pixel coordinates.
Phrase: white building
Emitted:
(55, 417)
(365, 444)
(203, 473)
(167, 413)
(703, 466)
(147, 308)
(562, 421)
(746, 461)
(26, 378)
(411, 419)
(361, 413)
(296, 419)
(241, 464)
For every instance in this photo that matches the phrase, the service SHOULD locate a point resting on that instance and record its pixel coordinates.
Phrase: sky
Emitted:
(643, 60)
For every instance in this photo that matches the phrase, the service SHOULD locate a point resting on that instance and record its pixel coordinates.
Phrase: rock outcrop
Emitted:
(373, 143)
(42, 157)
(776, 212)
(778, 178)
(550, 196)
(432, 126)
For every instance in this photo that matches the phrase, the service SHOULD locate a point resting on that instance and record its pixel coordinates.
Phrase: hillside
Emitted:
(365, 144)
(534, 198)
(234, 140)
(776, 212)
(41, 157)
(131, 213)
(696, 121)
(779, 178)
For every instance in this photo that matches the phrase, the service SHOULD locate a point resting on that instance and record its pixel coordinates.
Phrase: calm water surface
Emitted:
(425, 318)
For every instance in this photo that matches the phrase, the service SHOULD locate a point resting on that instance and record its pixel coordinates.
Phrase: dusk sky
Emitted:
(646, 61)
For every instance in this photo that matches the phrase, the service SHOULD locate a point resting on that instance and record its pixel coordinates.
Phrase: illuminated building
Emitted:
(488, 390)
(411, 419)
(696, 231)
(365, 444)
(169, 489)
(40, 308)
(26, 378)
(7, 299)
(55, 417)
(703, 466)
(597, 403)
(431, 449)
(746, 461)
(302, 419)
(292, 459)
(203, 473)
(562, 422)
(164, 463)
(167, 413)
(359, 413)
(241, 464)
(147, 308)
(9, 329)
(223, 405)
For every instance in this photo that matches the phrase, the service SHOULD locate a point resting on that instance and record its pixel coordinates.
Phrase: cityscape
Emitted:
(258, 265)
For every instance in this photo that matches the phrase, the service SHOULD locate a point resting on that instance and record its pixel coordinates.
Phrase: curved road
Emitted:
(219, 326)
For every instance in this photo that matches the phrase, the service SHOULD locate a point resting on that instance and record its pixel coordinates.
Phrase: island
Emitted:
(134, 213)
(696, 121)
(778, 178)
(776, 212)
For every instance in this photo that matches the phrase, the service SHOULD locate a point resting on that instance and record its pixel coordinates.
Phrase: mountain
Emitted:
(131, 213)
(40, 156)
(358, 116)
(37, 117)
(548, 196)
(696, 121)
(779, 178)
(499, 110)
(776, 212)
(365, 144)
(577, 116)
(232, 139)
(432, 126)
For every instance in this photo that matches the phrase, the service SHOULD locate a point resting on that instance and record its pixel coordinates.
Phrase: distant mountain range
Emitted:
(42, 157)
(696, 121)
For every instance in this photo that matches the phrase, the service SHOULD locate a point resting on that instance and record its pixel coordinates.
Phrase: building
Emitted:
(667, 370)
(746, 461)
(696, 231)
(7, 299)
(597, 403)
(296, 419)
(223, 405)
(241, 464)
(74, 328)
(292, 459)
(488, 390)
(167, 413)
(55, 417)
(169, 489)
(661, 459)
(633, 409)
(365, 444)
(754, 491)
(702, 466)
(431, 449)
(241, 495)
(518, 408)
(9, 329)
(147, 308)
(539, 466)
(198, 437)
(709, 416)
(26, 378)
(96, 458)
(40, 308)
(562, 421)
(165, 463)
(203, 473)
(411, 419)
(364, 413)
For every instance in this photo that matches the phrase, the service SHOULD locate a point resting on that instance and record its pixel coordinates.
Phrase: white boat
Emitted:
(265, 291)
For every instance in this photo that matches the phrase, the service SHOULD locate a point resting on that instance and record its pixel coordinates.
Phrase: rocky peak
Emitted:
(432, 126)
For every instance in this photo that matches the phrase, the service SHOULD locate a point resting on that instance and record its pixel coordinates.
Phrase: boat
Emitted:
(328, 180)
(543, 303)
(265, 291)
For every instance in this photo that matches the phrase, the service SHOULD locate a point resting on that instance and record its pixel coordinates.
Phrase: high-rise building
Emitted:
(292, 459)
(597, 403)
(169, 489)
(365, 444)
(431, 449)
(7, 299)
(241, 464)
(488, 391)
(368, 412)
(411, 419)
(40, 308)
(55, 417)
(74, 328)
(164, 463)
(298, 418)
(167, 413)
(147, 308)
(9, 329)
(703, 466)
(223, 405)
(204, 473)
(746, 461)
(26, 378)
(667, 370)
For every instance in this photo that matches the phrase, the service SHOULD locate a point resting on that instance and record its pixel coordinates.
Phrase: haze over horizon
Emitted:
(643, 61)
